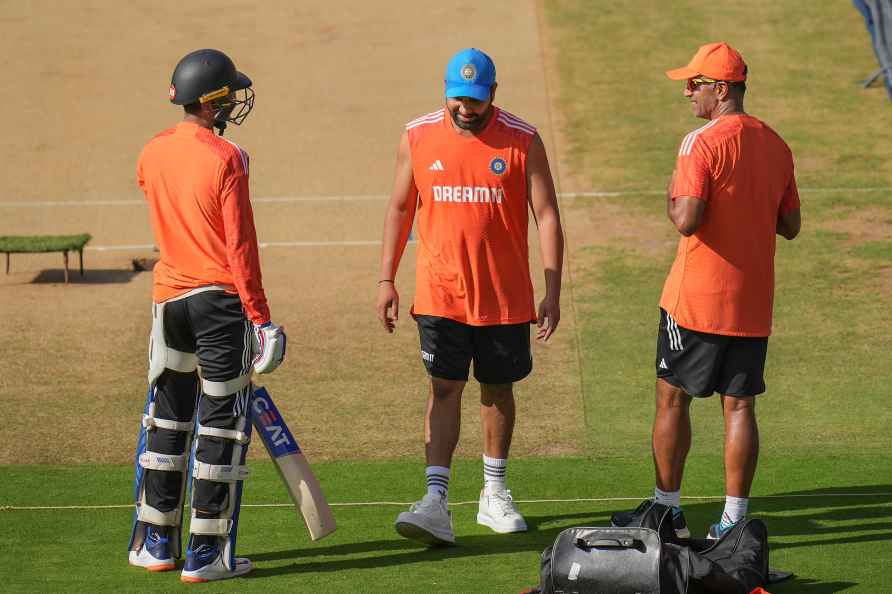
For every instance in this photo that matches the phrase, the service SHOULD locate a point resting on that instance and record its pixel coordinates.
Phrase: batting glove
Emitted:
(269, 347)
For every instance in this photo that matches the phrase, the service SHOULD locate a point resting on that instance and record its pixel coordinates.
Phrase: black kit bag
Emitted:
(606, 561)
(630, 560)
(737, 563)
(650, 559)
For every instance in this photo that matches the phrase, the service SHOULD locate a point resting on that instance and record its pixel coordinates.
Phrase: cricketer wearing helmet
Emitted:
(210, 312)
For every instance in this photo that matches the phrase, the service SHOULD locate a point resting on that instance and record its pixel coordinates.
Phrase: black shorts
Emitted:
(214, 327)
(701, 363)
(501, 353)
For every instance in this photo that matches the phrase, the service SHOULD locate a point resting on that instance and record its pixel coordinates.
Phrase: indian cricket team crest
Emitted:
(498, 166)
(173, 92)
(469, 72)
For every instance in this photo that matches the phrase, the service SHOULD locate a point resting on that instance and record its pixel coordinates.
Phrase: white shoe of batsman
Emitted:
(497, 511)
(269, 347)
(205, 564)
(427, 521)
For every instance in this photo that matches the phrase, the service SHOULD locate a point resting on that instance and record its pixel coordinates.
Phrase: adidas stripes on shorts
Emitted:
(702, 364)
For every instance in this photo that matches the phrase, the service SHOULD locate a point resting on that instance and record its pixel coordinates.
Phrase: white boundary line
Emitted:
(117, 248)
(261, 200)
(380, 197)
(8, 508)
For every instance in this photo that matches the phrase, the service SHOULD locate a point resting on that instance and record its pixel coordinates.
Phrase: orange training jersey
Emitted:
(472, 262)
(722, 280)
(196, 184)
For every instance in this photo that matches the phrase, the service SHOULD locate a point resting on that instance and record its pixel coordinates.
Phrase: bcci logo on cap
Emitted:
(468, 72)
(498, 166)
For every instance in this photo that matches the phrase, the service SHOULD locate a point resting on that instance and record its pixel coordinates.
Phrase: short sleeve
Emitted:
(790, 200)
(692, 169)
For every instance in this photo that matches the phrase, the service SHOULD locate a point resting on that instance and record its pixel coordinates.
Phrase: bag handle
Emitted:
(614, 543)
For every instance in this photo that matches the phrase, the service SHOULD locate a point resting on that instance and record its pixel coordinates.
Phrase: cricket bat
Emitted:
(293, 468)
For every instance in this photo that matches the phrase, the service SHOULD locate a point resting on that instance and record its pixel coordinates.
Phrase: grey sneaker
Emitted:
(428, 521)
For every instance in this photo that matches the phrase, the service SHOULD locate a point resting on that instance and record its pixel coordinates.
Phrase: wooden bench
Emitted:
(34, 244)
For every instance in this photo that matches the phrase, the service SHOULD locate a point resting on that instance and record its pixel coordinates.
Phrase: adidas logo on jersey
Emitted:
(663, 364)
(437, 166)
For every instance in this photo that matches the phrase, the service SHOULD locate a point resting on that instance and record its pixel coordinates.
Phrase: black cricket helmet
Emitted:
(208, 76)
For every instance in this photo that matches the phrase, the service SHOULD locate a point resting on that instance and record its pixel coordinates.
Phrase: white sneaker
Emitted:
(428, 521)
(497, 511)
(143, 558)
(205, 564)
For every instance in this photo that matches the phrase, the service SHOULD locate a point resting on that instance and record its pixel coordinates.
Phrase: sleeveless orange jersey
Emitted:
(722, 280)
(472, 262)
(196, 184)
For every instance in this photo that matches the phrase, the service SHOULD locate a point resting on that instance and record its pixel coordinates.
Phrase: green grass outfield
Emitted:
(833, 542)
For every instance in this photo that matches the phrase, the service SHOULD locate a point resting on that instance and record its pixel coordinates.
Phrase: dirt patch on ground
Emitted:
(611, 222)
(861, 225)
(884, 280)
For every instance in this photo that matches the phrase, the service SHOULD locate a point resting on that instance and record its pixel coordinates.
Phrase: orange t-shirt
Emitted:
(196, 184)
(722, 280)
(472, 262)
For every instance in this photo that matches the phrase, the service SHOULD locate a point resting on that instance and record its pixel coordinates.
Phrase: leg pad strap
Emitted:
(149, 514)
(151, 422)
(214, 526)
(166, 462)
(181, 361)
(238, 436)
(221, 389)
(219, 473)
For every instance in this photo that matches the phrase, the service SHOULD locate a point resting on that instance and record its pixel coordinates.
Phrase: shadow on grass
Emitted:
(91, 276)
(403, 552)
(842, 518)
(837, 520)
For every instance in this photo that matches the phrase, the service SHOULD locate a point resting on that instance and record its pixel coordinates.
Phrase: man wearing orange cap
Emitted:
(732, 191)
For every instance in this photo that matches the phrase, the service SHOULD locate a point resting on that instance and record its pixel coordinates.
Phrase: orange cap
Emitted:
(715, 60)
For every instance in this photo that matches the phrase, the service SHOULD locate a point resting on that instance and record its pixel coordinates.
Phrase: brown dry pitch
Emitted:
(335, 83)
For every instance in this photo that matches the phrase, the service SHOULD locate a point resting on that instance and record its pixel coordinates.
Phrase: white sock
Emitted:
(437, 481)
(494, 470)
(735, 510)
(668, 498)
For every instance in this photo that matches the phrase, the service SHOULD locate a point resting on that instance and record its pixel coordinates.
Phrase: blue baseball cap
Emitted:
(470, 73)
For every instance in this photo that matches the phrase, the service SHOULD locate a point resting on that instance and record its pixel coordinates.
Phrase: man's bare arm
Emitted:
(685, 212)
(397, 226)
(789, 223)
(543, 202)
